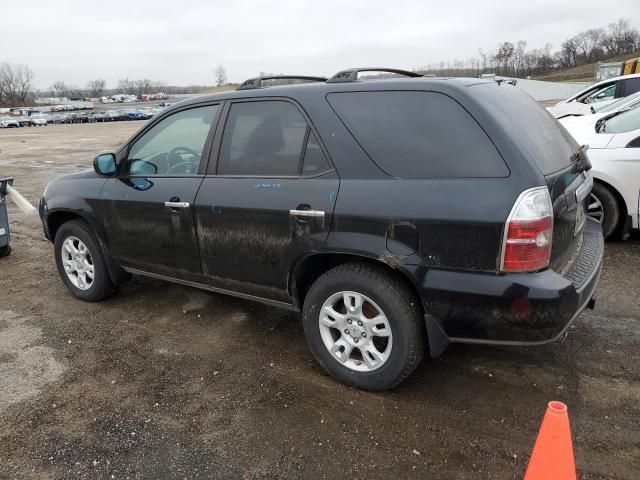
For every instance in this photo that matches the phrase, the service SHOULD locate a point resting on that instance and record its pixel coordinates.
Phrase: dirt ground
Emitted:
(163, 381)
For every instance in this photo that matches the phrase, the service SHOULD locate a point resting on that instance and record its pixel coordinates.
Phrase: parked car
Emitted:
(614, 149)
(596, 96)
(24, 121)
(8, 122)
(377, 209)
(38, 120)
(96, 117)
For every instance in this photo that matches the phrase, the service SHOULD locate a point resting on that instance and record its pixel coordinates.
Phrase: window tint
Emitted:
(548, 144)
(174, 145)
(631, 85)
(262, 138)
(418, 134)
(314, 160)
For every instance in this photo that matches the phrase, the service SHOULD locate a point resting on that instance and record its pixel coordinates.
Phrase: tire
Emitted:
(5, 251)
(603, 206)
(386, 293)
(98, 288)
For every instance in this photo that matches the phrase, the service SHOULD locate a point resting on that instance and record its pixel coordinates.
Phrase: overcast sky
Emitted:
(181, 41)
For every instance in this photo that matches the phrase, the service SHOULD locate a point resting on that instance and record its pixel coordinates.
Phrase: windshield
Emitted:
(632, 100)
(624, 122)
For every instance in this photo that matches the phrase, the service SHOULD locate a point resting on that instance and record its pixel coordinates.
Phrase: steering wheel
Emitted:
(175, 161)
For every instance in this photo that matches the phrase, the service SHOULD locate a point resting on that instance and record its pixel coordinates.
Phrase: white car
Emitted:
(614, 151)
(583, 125)
(596, 96)
(38, 120)
(7, 122)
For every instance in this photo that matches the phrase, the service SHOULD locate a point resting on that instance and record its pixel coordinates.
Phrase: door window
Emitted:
(605, 93)
(174, 145)
(315, 163)
(263, 138)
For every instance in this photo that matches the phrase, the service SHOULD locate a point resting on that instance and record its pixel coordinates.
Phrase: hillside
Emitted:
(583, 73)
(221, 88)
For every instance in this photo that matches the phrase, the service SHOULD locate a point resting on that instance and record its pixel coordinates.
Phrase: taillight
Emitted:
(528, 232)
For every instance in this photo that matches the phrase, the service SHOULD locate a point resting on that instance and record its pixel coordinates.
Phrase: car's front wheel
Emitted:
(81, 263)
(364, 326)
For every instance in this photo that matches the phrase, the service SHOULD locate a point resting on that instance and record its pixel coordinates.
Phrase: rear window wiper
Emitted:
(581, 159)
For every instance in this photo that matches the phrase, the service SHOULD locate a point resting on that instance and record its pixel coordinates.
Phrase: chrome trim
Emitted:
(176, 204)
(583, 190)
(307, 213)
(202, 286)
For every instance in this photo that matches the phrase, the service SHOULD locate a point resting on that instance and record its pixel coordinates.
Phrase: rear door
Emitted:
(148, 209)
(267, 200)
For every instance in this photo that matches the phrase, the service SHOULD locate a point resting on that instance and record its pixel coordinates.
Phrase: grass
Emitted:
(583, 73)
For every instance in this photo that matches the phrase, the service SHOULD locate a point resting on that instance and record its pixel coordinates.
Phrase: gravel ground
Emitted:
(163, 381)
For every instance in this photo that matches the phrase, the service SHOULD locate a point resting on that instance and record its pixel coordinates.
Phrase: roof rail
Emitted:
(351, 75)
(257, 81)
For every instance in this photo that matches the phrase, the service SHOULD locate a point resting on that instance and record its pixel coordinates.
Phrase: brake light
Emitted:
(528, 232)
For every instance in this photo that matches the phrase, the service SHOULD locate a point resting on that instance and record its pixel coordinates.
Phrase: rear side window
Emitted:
(263, 138)
(548, 144)
(418, 134)
(631, 86)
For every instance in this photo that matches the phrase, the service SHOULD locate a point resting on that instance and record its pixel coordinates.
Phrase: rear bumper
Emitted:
(511, 309)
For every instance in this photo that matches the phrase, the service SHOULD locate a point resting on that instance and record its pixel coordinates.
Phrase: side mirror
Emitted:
(105, 164)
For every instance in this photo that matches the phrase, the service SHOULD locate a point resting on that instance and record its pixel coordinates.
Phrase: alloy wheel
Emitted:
(77, 263)
(595, 208)
(355, 331)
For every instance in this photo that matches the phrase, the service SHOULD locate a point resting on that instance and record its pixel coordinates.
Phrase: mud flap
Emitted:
(626, 228)
(438, 340)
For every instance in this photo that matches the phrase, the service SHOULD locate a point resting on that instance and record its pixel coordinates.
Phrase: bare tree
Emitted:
(59, 88)
(127, 86)
(221, 75)
(96, 87)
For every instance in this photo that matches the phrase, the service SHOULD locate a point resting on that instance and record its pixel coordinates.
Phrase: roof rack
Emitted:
(257, 81)
(351, 75)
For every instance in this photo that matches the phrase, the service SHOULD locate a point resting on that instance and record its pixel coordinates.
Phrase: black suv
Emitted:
(395, 214)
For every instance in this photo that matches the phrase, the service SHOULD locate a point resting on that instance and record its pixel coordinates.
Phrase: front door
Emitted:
(148, 208)
(270, 200)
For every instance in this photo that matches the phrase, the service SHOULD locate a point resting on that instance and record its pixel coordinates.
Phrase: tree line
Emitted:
(513, 58)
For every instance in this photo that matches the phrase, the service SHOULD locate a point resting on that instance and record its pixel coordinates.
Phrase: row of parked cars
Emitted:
(33, 121)
(83, 117)
(606, 118)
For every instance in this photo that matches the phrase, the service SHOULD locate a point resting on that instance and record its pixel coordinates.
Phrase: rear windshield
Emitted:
(550, 146)
(418, 134)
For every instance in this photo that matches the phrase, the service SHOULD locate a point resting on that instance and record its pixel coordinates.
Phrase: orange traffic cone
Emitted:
(552, 456)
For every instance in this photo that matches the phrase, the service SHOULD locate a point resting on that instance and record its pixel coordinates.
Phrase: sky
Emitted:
(180, 42)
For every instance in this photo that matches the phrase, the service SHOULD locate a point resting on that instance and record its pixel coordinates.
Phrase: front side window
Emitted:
(418, 134)
(605, 93)
(264, 138)
(174, 145)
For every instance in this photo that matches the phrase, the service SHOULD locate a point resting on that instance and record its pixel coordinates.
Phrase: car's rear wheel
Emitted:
(364, 326)
(81, 263)
(603, 207)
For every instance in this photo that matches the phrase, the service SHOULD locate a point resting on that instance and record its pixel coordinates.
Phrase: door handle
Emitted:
(306, 213)
(176, 204)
